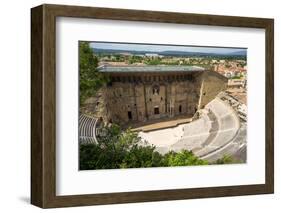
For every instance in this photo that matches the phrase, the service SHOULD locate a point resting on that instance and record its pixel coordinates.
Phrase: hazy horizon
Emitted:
(162, 48)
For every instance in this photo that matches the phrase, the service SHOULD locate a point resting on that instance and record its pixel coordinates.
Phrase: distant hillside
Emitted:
(240, 53)
(169, 53)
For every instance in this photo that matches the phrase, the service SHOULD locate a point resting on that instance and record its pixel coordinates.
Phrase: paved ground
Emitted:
(164, 137)
(163, 125)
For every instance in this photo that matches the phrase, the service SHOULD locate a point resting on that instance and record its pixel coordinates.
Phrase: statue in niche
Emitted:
(155, 90)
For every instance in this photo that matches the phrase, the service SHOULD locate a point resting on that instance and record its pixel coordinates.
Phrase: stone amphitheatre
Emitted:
(171, 107)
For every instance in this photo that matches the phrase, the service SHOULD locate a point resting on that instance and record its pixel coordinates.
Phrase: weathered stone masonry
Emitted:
(137, 94)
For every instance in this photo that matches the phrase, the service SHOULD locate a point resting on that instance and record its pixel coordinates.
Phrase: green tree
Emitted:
(183, 158)
(153, 61)
(112, 150)
(142, 156)
(226, 159)
(118, 149)
(90, 80)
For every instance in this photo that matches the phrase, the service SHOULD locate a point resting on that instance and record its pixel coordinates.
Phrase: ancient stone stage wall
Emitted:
(131, 98)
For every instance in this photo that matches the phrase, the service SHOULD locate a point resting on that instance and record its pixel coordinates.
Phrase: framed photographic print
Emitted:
(137, 106)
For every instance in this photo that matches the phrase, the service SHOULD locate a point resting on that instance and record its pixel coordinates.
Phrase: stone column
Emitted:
(135, 102)
(145, 105)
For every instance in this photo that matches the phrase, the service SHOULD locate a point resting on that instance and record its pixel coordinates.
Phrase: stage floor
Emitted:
(162, 125)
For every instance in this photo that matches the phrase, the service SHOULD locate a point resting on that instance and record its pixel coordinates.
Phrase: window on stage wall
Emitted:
(130, 115)
(180, 109)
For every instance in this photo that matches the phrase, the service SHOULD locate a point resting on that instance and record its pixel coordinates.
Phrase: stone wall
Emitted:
(212, 84)
(128, 102)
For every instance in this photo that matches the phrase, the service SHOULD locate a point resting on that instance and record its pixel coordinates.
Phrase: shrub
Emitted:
(117, 149)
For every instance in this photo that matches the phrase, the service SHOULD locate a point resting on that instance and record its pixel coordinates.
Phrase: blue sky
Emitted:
(159, 48)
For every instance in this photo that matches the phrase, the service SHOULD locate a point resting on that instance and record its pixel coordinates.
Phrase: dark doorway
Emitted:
(130, 115)
(180, 109)
(156, 110)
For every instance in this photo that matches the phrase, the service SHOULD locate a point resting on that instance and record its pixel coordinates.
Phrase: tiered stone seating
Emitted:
(207, 137)
(199, 126)
(194, 134)
(237, 147)
(228, 122)
(217, 126)
(218, 107)
(87, 129)
(228, 126)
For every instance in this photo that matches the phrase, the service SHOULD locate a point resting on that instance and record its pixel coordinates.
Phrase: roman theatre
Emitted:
(171, 107)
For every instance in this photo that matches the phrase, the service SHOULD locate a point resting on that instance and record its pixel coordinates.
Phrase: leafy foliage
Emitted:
(226, 159)
(183, 158)
(90, 80)
(118, 149)
(153, 61)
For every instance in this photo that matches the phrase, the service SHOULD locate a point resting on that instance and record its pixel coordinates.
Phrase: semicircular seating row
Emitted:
(237, 148)
(87, 129)
(217, 126)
